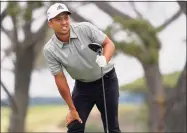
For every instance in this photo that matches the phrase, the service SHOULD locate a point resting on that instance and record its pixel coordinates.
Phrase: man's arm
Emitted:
(61, 82)
(108, 48)
(64, 90)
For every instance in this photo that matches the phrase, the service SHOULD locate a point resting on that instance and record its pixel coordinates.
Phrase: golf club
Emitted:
(98, 49)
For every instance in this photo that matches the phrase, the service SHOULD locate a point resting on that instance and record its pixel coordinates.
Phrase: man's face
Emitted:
(60, 24)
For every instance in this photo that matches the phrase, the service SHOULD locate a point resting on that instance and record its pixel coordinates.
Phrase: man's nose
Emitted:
(63, 22)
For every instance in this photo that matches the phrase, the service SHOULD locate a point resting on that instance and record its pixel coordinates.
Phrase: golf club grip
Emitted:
(104, 100)
(100, 52)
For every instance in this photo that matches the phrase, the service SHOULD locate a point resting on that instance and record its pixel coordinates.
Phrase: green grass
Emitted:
(47, 115)
(40, 118)
(139, 85)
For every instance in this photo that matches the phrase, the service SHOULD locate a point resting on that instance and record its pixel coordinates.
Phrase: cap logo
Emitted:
(59, 7)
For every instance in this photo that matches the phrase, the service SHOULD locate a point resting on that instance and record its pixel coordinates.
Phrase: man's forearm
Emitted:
(64, 91)
(108, 49)
(108, 52)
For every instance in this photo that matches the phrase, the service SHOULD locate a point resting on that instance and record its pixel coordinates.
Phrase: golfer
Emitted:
(68, 49)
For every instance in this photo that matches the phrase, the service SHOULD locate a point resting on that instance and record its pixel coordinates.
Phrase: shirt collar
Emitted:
(60, 43)
(72, 32)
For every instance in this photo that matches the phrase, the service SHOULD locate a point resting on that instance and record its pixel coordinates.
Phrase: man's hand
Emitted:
(72, 115)
(101, 61)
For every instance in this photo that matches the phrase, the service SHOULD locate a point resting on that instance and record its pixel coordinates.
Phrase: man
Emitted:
(68, 49)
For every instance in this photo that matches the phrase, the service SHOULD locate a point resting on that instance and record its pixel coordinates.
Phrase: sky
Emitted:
(172, 53)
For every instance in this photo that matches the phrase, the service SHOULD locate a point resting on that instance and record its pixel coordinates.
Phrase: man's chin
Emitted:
(63, 33)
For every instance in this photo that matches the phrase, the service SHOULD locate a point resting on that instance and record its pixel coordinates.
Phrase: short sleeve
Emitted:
(53, 65)
(95, 34)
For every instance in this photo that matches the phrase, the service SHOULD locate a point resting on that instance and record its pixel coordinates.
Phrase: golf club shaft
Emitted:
(104, 99)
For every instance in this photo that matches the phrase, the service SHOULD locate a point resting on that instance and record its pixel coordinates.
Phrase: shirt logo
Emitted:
(59, 7)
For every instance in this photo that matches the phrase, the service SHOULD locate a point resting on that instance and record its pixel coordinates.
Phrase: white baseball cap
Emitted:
(55, 9)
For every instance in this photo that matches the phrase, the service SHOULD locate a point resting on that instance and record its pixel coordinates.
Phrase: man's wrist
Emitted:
(107, 59)
(72, 108)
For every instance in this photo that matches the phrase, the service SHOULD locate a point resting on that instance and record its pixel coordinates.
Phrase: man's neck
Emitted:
(63, 38)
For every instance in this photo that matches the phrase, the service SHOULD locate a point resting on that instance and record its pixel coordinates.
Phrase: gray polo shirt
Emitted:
(76, 57)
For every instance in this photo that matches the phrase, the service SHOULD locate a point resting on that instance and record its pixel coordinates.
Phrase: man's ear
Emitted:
(49, 24)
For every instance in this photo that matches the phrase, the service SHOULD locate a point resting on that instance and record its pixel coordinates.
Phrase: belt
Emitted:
(109, 73)
(99, 80)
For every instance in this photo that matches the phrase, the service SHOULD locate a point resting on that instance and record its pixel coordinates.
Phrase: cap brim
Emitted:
(66, 12)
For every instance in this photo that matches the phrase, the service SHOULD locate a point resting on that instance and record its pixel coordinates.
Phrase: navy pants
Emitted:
(86, 95)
